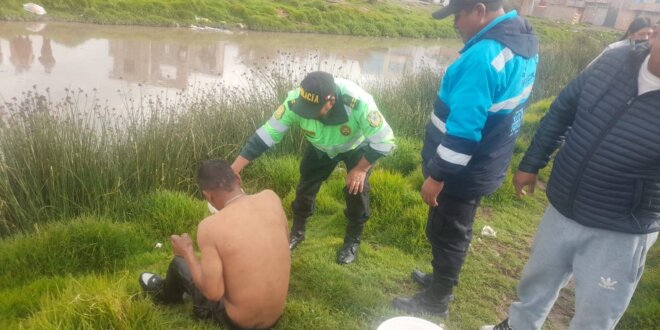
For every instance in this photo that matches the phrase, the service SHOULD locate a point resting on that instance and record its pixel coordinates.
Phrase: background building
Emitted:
(610, 13)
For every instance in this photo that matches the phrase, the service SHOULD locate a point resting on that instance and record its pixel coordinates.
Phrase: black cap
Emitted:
(455, 6)
(315, 90)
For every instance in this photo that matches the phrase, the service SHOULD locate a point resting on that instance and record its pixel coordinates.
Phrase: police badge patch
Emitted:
(279, 113)
(345, 130)
(375, 119)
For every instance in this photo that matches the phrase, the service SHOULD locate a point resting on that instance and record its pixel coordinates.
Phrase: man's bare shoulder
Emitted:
(210, 224)
(267, 193)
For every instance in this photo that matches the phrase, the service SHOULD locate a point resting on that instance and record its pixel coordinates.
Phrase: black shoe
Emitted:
(296, 238)
(151, 284)
(348, 253)
(502, 326)
(424, 302)
(421, 278)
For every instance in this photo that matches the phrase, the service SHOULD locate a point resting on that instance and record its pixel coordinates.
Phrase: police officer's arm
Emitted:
(471, 98)
(380, 143)
(376, 130)
(265, 137)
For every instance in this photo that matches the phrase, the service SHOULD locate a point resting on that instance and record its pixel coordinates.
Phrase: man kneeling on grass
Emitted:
(243, 276)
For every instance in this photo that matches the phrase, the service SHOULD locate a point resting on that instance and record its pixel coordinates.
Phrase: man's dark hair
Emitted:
(492, 6)
(216, 174)
(636, 25)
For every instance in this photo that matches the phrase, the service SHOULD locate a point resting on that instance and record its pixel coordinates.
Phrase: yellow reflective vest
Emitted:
(353, 122)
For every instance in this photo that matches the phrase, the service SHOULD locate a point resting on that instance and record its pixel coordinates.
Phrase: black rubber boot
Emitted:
(421, 278)
(427, 301)
(348, 252)
(297, 233)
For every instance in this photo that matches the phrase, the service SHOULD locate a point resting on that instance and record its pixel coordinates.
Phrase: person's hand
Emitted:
(237, 171)
(181, 244)
(238, 165)
(355, 181)
(522, 179)
(430, 191)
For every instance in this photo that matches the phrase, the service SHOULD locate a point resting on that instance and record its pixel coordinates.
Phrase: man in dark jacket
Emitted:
(470, 137)
(604, 191)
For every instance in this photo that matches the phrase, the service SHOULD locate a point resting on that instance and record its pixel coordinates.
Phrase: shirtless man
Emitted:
(243, 275)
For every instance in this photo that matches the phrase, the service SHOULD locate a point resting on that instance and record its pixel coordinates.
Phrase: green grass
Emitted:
(350, 17)
(96, 290)
(388, 19)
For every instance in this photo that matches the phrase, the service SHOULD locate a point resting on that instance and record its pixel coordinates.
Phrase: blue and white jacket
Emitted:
(478, 113)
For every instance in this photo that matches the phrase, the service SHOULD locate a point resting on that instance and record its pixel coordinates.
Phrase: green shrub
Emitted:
(85, 245)
(279, 174)
(164, 213)
(399, 214)
(19, 302)
(99, 303)
(405, 158)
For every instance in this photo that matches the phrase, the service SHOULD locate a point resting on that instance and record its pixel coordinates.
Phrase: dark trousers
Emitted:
(315, 168)
(178, 281)
(449, 230)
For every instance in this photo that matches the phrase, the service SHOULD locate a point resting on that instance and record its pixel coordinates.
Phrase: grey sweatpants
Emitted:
(606, 266)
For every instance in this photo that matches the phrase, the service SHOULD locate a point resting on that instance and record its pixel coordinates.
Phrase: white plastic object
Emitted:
(408, 323)
(488, 231)
(34, 8)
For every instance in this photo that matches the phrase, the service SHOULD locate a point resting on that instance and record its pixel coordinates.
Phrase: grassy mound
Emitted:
(85, 245)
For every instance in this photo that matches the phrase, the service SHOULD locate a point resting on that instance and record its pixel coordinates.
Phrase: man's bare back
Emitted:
(250, 238)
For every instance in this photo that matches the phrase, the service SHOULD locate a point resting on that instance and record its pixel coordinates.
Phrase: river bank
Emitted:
(360, 18)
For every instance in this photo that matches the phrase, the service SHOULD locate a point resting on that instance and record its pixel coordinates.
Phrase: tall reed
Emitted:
(63, 158)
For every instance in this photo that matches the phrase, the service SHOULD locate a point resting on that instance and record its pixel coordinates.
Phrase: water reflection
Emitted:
(46, 59)
(21, 54)
(151, 60)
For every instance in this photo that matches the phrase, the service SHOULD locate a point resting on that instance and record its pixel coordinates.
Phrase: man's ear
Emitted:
(480, 8)
(207, 195)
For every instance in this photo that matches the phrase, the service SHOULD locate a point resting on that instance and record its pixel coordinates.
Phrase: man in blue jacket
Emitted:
(470, 137)
(604, 191)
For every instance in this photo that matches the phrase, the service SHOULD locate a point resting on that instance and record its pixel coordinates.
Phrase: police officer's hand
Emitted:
(355, 181)
(238, 165)
(522, 179)
(430, 191)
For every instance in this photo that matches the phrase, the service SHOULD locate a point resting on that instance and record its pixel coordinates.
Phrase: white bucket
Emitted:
(408, 323)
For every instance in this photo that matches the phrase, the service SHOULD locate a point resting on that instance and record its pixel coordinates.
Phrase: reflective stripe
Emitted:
(513, 102)
(277, 125)
(452, 156)
(268, 140)
(349, 111)
(439, 124)
(383, 148)
(335, 150)
(500, 60)
(383, 133)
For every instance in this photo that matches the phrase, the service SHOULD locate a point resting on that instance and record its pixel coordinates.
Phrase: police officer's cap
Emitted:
(315, 90)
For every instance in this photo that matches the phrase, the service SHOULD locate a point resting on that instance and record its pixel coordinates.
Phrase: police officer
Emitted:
(342, 123)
